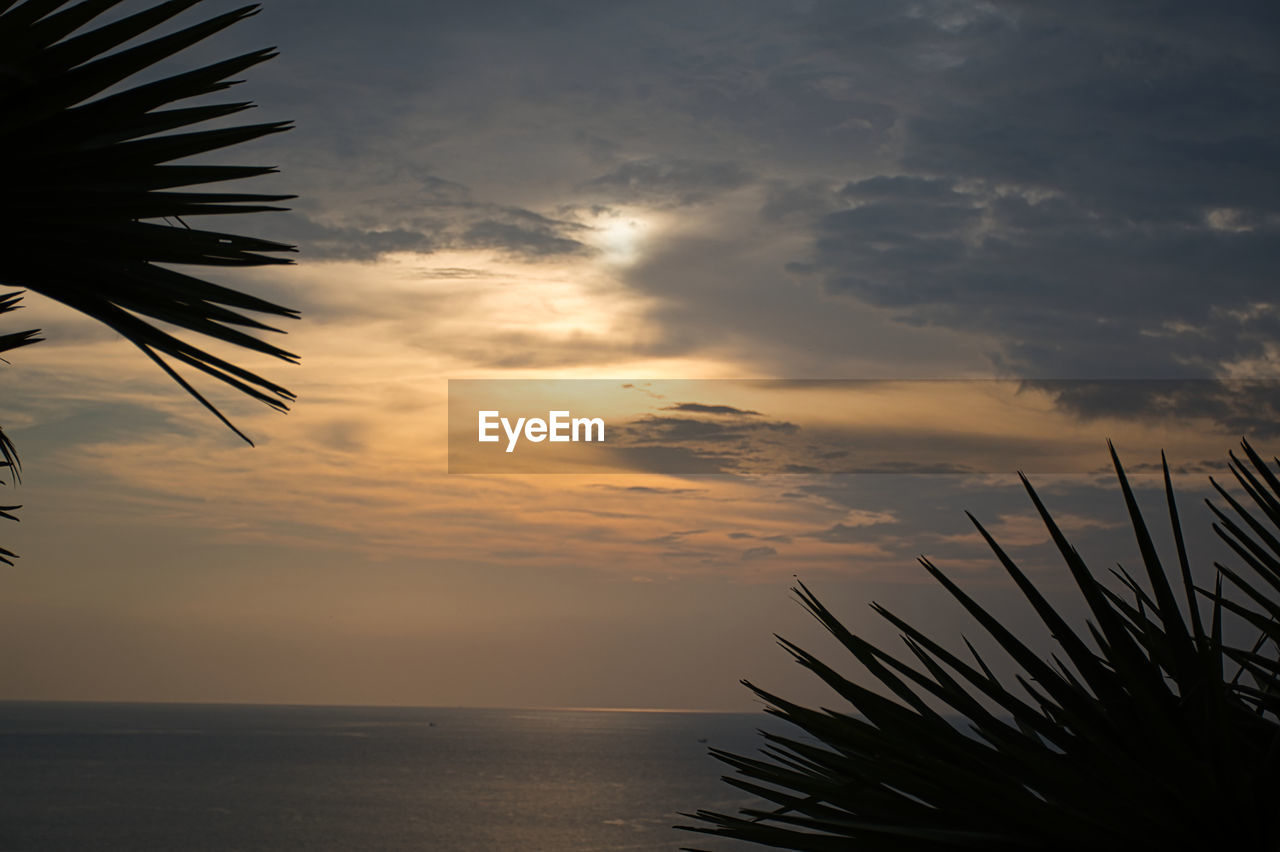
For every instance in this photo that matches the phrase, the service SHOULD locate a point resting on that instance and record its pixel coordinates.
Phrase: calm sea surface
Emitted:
(188, 778)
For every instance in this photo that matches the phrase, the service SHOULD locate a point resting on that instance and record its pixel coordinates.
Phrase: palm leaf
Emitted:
(94, 199)
(8, 453)
(1134, 739)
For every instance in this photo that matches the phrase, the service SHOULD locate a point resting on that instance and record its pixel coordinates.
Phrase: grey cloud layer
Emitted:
(1098, 190)
(1032, 190)
(669, 182)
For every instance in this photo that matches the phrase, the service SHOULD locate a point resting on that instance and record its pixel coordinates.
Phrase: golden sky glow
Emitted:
(643, 197)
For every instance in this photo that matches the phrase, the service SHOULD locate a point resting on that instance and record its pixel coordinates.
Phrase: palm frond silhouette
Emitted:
(8, 454)
(1144, 731)
(94, 202)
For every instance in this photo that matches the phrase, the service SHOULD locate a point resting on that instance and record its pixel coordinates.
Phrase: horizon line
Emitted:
(543, 708)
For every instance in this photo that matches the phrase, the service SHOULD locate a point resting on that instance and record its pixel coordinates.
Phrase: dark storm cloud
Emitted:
(1068, 290)
(1093, 187)
(1243, 406)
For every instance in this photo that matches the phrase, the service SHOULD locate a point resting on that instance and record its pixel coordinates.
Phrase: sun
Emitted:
(621, 237)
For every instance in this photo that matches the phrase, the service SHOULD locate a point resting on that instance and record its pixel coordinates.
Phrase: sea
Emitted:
(214, 778)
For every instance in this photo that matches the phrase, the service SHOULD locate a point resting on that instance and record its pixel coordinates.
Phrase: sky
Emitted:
(630, 193)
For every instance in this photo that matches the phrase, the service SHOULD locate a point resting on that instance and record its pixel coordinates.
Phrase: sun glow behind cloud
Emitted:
(365, 447)
(621, 235)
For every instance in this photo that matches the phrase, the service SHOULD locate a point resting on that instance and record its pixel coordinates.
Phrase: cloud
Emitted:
(536, 239)
(781, 538)
(933, 188)
(1078, 252)
(673, 538)
(648, 489)
(680, 461)
(346, 242)
(855, 530)
(700, 408)
(674, 430)
(449, 226)
(669, 181)
(1243, 406)
(840, 533)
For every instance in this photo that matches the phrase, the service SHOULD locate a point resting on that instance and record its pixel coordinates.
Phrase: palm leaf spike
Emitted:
(1259, 547)
(92, 177)
(8, 453)
(1184, 564)
(1133, 740)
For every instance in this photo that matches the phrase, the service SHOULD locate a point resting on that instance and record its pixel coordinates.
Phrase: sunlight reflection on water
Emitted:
(164, 777)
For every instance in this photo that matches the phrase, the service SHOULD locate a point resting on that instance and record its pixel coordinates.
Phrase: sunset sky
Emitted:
(634, 192)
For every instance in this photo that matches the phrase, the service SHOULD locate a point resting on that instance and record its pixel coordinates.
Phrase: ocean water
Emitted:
(190, 778)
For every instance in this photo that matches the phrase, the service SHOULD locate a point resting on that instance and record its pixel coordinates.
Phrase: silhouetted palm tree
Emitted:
(1134, 736)
(93, 199)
